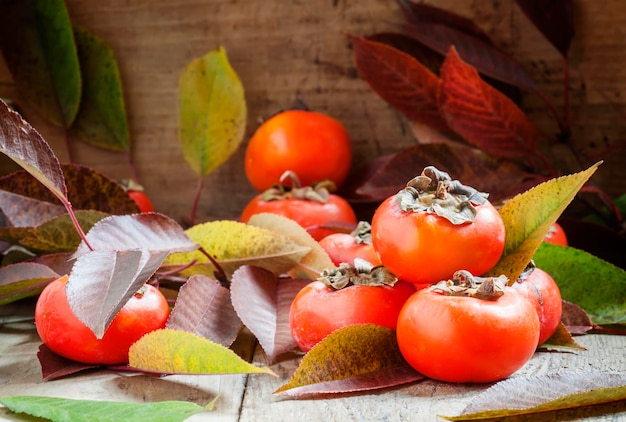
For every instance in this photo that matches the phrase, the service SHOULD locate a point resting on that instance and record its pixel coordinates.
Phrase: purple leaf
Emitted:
(554, 19)
(262, 301)
(128, 250)
(22, 211)
(54, 366)
(24, 145)
(204, 308)
(22, 280)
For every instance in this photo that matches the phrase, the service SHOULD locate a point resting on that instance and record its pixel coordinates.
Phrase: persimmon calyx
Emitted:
(362, 233)
(318, 192)
(463, 283)
(434, 191)
(362, 273)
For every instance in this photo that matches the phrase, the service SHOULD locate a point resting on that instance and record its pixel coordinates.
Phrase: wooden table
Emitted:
(249, 397)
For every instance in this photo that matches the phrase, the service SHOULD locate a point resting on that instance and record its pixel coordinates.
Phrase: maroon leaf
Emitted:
(128, 250)
(575, 319)
(262, 301)
(483, 56)
(22, 211)
(399, 79)
(54, 366)
(60, 263)
(417, 13)
(24, 145)
(429, 58)
(203, 307)
(481, 114)
(23, 279)
(501, 179)
(554, 19)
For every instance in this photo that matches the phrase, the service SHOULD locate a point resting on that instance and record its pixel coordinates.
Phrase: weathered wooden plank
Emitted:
(423, 401)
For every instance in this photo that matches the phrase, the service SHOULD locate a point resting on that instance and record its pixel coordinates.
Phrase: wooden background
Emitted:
(287, 49)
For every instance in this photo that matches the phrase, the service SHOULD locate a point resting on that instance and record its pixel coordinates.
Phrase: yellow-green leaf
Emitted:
(234, 244)
(528, 217)
(212, 113)
(354, 358)
(179, 352)
(101, 119)
(313, 263)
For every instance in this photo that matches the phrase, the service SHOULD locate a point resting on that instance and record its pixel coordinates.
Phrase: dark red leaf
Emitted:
(575, 319)
(262, 301)
(554, 19)
(54, 366)
(22, 211)
(429, 58)
(481, 114)
(417, 13)
(399, 79)
(596, 239)
(500, 178)
(203, 307)
(486, 58)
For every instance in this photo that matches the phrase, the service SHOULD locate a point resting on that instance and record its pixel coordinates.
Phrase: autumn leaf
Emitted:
(529, 395)
(179, 352)
(101, 119)
(314, 262)
(354, 358)
(527, 218)
(212, 112)
(481, 114)
(555, 20)
(62, 409)
(233, 244)
(54, 366)
(23, 279)
(262, 301)
(127, 251)
(203, 307)
(595, 285)
(23, 211)
(399, 79)
(38, 45)
(561, 339)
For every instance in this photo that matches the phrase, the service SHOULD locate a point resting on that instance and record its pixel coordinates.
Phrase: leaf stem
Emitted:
(196, 201)
(79, 229)
(68, 147)
(133, 167)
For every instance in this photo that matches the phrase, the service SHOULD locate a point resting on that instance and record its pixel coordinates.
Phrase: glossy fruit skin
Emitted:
(141, 199)
(465, 339)
(343, 247)
(543, 292)
(424, 248)
(67, 336)
(556, 235)
(309, 214)
(313, 145)
(318, 310)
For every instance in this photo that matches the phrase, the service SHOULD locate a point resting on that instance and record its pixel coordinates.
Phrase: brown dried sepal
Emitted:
(318, 192)
(463, 283)
(362, 273)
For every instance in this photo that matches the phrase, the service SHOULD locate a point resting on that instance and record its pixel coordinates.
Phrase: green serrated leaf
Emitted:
(38, 45)
(59, 234)
(72, 410)
(179, 352)
(101, 120)
(586, 280)
(212, 115)
(233, 244)
(528, 217)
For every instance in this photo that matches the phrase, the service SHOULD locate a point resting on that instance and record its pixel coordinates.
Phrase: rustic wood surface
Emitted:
(283, 50)
(249, 398)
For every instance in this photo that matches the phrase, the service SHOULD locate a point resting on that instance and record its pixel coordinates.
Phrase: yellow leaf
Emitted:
(179, 352)
(233, 244)
(528, 217)
(310, 267)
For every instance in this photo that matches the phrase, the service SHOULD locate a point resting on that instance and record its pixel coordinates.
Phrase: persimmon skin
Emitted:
(343, 247)
(313, 145)
(63, 333)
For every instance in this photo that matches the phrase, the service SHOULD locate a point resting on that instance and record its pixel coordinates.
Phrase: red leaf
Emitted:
(399, 79)
(22, 211)
(262, 301)
(54, 366)
(204, 308)
(481, 114)
(483, 56)
(555, 20)
(575, 319)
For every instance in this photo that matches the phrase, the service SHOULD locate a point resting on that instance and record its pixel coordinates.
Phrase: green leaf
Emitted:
(354, 358)
(38, 45)
(528, 217)
(234, 244)
(590, 282)
(212, 115)
(179, 352)
(101, 119)
(69, 410)
(530, 395)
